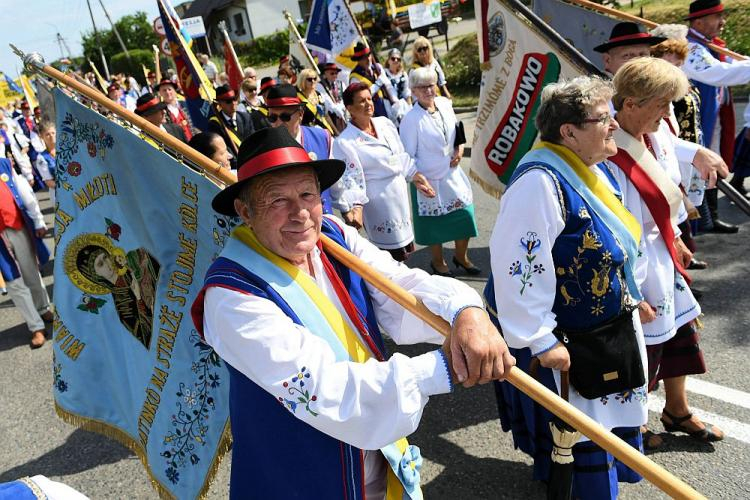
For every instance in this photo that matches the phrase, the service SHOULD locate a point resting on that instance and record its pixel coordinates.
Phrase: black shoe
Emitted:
(723, 227)
(697, 264)
(472, 270)
(447, 274)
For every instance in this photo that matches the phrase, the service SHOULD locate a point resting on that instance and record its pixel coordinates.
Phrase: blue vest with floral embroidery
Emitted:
(710, 95)
(588, 260)
(274, 454)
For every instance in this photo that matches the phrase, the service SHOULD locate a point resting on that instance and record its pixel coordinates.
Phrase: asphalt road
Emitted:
(467, 456)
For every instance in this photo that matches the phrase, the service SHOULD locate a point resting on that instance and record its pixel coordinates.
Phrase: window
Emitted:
(239, 23)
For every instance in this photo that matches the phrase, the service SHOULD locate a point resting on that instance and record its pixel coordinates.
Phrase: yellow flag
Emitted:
(28, 91)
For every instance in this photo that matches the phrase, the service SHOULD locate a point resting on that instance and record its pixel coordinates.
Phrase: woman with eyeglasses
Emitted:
(372, 192)
(249, 98)
(394, 70)
(648, 170)
(423, 56)
(563, 255)
(285, 109)
(313, 106)
(432, 136)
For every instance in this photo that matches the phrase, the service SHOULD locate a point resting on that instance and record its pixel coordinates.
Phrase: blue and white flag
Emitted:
(331, 27)
(134, 235)
(589, 29)
(12, 85)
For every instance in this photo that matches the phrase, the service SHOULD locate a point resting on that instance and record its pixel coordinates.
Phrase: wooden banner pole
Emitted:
(660, 477)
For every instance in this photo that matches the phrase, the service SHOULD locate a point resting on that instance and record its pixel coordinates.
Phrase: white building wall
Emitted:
(267, 16)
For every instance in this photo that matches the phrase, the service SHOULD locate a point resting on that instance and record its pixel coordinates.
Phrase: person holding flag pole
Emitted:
(660, 477)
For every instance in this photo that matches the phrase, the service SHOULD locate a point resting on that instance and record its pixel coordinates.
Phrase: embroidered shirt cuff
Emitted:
(543, 344)
(432, 373)
(458, 302)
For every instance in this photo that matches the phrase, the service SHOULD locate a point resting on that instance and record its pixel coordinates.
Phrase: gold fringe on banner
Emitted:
(122, 437)
(486, 186)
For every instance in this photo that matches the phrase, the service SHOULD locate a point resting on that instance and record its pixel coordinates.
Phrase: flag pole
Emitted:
(649, 24)
(157, 63)
(310, 59)
(660, 477)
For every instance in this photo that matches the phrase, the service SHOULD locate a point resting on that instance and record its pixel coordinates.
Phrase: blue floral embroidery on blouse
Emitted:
(300, 396)
(525, 272)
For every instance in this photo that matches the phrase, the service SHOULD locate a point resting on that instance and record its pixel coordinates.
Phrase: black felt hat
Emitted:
(628, 34)
(284, 94)
(268, 150)
(702, 8)
(360, 51)
(165, 81)
(148, 104)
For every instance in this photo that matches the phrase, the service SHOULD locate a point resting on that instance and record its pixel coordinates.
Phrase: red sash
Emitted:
(655, 201)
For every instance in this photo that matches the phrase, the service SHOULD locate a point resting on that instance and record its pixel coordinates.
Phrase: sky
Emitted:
(32, 25)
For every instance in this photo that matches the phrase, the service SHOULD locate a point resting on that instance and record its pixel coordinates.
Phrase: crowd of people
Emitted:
(622, 178)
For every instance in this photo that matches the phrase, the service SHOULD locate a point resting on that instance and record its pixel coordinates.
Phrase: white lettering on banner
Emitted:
(504, 143)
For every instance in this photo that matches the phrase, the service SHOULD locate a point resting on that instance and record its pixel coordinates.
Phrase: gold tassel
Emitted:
(486, 186)
(112, 432)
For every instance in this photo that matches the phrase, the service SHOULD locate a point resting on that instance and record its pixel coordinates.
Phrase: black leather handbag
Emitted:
(604, 360)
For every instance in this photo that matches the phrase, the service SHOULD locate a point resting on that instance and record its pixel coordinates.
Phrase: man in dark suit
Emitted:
(151, 108)
(232, 125)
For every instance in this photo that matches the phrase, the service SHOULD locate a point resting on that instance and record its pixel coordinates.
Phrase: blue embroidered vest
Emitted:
(709, 107)
(274, 454)
(8, 266)
(39, 184)
(588, 260)
(317, 142)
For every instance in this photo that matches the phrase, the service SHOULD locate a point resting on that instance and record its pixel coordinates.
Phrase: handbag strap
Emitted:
(564, 377)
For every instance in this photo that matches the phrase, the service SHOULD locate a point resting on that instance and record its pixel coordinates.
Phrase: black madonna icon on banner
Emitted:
(97, 267)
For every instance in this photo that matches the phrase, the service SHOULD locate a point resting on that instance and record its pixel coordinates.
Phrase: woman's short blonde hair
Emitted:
(421, 77)
(420, 42)
(647, 78)
(305, 74)
(569, 101)
(679, 48)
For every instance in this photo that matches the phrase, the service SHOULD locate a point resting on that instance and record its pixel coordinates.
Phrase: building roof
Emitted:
(204, 8)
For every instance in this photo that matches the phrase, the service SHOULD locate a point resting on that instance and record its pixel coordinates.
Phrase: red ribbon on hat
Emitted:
(283, 101)
(707, 12)
(148, 104)
(270, 159)
(628, 37)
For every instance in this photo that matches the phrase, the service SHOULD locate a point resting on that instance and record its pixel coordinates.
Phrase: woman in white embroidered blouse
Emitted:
(428, 132)
(372, 192)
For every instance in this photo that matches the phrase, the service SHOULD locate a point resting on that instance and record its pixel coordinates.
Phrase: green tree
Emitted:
(136, 32)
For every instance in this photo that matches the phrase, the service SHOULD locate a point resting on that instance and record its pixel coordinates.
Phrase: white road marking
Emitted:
(715, 391)
(732, 428)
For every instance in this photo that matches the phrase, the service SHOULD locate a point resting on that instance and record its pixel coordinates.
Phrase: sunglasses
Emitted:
(311, 79)
(395, 58)
(284, 117)
(423, 49)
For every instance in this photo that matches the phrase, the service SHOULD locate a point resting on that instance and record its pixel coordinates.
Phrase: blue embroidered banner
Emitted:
(134, 235)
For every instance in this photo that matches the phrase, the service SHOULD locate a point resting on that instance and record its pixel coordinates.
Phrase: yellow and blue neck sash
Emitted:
(612, 212)
(317, 313)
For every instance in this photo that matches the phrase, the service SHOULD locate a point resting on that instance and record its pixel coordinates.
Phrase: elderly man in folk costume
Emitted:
(310, 381)
(22, 251)
(285, 109)
(712, 74)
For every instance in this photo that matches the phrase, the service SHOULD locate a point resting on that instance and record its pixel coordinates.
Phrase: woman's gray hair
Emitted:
(420, 77)
(569, 101)
(671, 31)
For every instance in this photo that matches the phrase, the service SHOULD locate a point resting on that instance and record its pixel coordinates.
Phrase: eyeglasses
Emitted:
(395, 58)
(284, 117)
(604, 120)
(425, 88)
(423, 49)
(313, 79)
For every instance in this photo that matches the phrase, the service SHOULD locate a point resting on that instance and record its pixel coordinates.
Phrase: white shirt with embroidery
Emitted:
(367, 405)
(661, 285)
(703, 67)
(532, 208)
(377, 169)
(428, 138)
